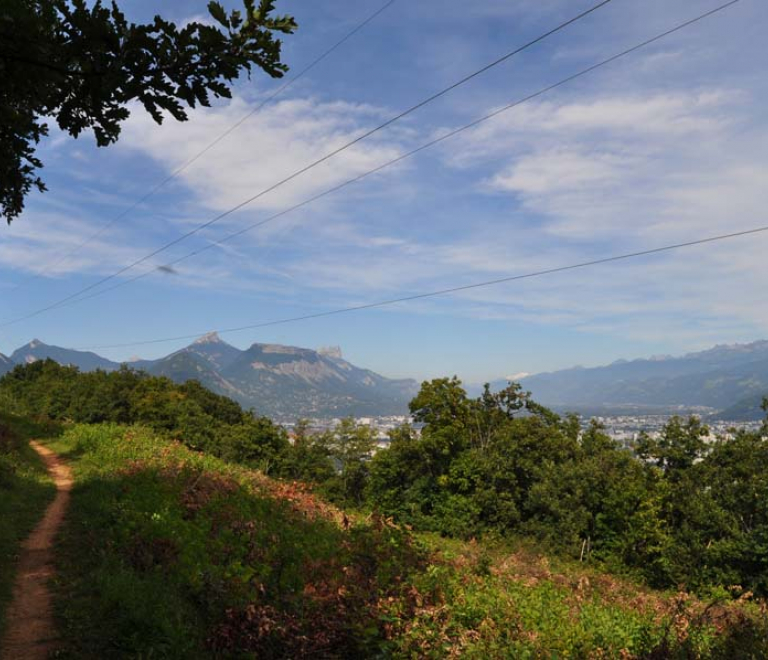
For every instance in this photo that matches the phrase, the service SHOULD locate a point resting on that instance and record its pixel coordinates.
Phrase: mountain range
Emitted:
(283, 382)
(731, 380)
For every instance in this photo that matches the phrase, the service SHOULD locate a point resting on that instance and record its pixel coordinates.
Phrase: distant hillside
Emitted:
(718, 378)
(746, 410)
(85, 361)
(283, 382)
(296, 378)
(286, 381)
(6, 364)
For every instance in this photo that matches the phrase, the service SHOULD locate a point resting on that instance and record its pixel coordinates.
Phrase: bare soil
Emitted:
(31, 631)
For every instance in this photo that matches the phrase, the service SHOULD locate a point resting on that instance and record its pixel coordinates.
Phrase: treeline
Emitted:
(678, 510)
(204, 421)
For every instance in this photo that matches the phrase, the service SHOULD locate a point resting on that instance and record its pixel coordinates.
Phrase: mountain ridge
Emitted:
(287, 382)
(284, 382)
(716, 378)
(6, 364)
(85, 360)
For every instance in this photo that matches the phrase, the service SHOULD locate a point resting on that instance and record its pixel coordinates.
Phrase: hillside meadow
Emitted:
(171, 553)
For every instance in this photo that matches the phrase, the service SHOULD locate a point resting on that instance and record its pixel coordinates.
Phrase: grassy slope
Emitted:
(25, 491)
(509, 601)
(169, 553)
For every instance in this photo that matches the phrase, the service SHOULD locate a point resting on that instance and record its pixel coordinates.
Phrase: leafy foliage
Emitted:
(84, 64)
(682, 511)
(686, 513)
(349, 446)
(172, 553)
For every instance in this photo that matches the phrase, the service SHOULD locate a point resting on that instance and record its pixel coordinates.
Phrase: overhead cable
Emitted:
(315, 163)
(451, 290)
(169, 266)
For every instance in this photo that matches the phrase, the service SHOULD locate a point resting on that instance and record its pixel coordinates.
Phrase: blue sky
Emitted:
(667, 145)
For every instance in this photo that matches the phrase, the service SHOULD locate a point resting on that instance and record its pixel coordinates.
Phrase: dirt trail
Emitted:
(31, 633)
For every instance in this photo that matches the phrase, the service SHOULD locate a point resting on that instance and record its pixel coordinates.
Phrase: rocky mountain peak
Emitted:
(331, 351)
(209, 338)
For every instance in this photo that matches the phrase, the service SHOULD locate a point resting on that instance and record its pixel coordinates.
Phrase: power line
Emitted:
(451, 290)
(317, 162)
(394, 161)
(292, 81)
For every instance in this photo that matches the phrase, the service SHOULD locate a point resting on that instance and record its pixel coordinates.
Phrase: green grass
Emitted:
(168, 553)
(25, 491)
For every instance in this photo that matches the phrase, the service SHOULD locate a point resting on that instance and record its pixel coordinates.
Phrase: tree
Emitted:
(441, 402)
(736, 476)
(601, 503)
(82, 65)
(475, 461)
(257, 442)
(493, 409)
(765, 421)
(350, 447)
(678, 447)
(306, 457)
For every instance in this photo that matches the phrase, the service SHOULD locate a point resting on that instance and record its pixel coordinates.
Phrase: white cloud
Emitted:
(42, 241)
(612, 175)
(282, 138)
(616, 165)
(559, 169)
(609, 175)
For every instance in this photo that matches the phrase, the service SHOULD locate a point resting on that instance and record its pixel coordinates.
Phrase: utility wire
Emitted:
(289, 83)
(455, 289)
(315, 163)
(399, 159)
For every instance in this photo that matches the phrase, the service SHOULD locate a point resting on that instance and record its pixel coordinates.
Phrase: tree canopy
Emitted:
(82, 65)
(681, 509)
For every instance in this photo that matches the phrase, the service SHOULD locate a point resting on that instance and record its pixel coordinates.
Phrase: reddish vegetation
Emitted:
(343, 601)
(344, 594)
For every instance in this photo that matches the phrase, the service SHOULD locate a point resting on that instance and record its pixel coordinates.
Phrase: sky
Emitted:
(667, 145)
